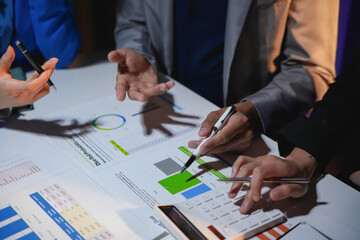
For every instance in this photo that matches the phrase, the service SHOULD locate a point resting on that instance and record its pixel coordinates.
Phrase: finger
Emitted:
(256, 183)
(135, 94)
(51, 63)
(237, 124)
(235, 172)
(121, 87)
(194, 143)
(33, 85)
(7, 59)
(209, 122)
(288, 190)
(117, 56)
(240, 161)
(268, 166)
(42, 92)
(151, 89)
(237, 143)
(247, 203)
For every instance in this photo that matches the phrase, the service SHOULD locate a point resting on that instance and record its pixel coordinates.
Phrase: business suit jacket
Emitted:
(278, 54)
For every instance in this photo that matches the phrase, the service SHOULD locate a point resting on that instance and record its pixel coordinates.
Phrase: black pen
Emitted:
(196, 154)
(32, 61)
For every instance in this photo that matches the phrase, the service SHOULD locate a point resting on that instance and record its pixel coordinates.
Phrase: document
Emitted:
(108, 132)
(97, 169)
(26, 158)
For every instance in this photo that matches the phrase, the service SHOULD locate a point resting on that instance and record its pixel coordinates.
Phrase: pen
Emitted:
(196, 154)
(268, 180)
(32, 61)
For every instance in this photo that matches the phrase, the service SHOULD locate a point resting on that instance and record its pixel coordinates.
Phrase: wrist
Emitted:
(249, 110)
(305, 162)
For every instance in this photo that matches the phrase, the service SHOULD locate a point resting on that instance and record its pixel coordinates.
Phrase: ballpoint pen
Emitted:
(267, 180)
(196, 154)
(32, 61)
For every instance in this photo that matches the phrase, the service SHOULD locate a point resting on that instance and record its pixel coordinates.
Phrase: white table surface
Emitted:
(331, 206)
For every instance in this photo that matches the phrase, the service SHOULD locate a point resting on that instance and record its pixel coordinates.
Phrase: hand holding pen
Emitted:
(235, 136)
(14, 92)
(292, 175)
(32, 61)
(196, 154)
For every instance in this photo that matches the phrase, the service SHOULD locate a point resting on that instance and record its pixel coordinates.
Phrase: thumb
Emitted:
(7, 59)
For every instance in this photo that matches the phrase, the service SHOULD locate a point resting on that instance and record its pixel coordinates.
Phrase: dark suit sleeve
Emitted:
(332, 126)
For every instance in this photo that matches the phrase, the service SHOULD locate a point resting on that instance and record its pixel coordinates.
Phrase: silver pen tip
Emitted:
(183, 169)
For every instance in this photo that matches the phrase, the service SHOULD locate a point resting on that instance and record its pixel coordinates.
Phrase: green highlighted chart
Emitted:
(179, 182)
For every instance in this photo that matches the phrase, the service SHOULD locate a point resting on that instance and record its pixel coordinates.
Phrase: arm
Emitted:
(136, 74)
(131, 31)
(333, 122)
(307, 69)
(308, 65)
(56, 31)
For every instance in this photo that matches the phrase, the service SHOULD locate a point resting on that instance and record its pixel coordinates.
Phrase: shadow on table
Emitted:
(52, 128)
(301, 206)
(164, 113)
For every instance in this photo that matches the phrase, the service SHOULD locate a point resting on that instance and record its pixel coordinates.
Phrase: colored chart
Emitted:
(12, 226)
(109, 122)
(69, 215)
(168, 166)
(179, 182)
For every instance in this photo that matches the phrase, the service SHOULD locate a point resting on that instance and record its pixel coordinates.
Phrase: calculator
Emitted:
(213, 215)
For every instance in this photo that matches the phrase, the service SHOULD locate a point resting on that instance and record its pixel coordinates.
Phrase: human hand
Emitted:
(298, 164)
(235, 135)
(136, 76)
(15, 92)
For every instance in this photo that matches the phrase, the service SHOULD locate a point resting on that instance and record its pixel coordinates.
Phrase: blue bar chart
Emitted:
(12, 226)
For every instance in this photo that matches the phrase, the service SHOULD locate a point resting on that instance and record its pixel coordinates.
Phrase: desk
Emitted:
(330, 206)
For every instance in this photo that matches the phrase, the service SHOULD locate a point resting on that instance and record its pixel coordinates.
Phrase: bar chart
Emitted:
(12, 226)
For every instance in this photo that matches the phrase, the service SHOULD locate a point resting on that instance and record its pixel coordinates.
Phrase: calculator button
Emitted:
(251, 222)
(230, 219)
(275, 213)
(229, 232)
(221, 212)
(224, 200)
(189, 205)
(213, 205)
(220, 223)
(239, 227)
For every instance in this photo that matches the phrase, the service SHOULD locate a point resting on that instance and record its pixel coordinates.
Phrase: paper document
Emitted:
(103, 167)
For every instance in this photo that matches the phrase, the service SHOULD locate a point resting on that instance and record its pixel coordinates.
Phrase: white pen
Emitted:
(196, 154)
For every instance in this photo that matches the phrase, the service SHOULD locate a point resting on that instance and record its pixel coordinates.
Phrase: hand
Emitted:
(15, 92)
(235, 136)
(298, 164)
(136, 76)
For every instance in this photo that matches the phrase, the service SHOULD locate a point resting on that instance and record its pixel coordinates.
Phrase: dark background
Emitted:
(96, 22)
